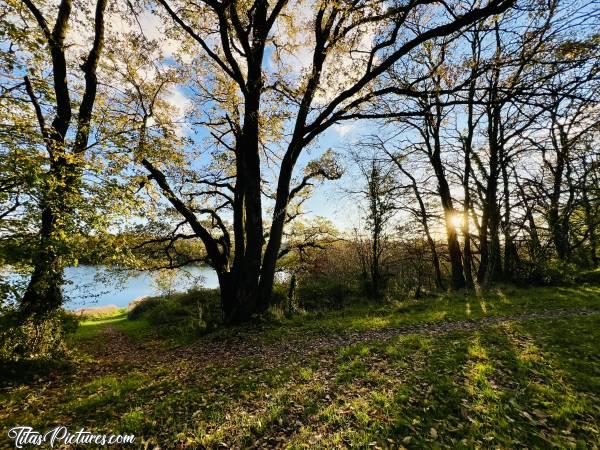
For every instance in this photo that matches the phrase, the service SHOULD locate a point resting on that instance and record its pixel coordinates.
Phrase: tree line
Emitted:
(502, 148)
(486, 112)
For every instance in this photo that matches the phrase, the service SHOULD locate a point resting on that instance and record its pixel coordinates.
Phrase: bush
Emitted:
(590, 276)
(35, 339)
(143, 306)
(326, 294)
(193, 313)
(548, 272)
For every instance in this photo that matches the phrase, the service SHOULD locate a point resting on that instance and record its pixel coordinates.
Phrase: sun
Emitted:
(457, 220)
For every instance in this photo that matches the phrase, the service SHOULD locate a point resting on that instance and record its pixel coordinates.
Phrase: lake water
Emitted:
(92, 286)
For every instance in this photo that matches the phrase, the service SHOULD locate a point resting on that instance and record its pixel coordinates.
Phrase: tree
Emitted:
(60, 189)
(428, 87)
(422, 217)
(378, 192)
(234, 38)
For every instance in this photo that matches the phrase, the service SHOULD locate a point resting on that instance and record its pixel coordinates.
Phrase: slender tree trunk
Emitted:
(276, 232)
(422, 217)
(590, 219)
(534, 243)
(554, 222)
(457, 279)
(558, 217)
(493, 268)
(435, 261)
(592, 233)
(291, 296)
(467, 255)
(283, 183)
(375, 269)
(483, 247)
(509, 248)
(467, 147)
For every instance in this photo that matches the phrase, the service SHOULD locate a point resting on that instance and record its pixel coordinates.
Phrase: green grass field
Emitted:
(433, 373)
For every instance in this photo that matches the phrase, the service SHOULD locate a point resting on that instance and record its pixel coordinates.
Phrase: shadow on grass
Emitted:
(533, 383)
(28, 371)
(495, 388)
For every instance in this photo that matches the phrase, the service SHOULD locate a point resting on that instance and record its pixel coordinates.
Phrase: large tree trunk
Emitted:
(237, 299)
(249, 272)
(44, 292)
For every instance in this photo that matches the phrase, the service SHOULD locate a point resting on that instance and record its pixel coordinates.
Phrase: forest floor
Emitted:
(512, 368)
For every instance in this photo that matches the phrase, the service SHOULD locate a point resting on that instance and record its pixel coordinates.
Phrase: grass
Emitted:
(503, 301)
(515, 384)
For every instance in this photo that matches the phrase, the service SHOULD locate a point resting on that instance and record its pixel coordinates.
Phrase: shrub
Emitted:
(547, 272)
(142, 306)
(193, 313)
(326, 294)
(590, 276)
(35, 339)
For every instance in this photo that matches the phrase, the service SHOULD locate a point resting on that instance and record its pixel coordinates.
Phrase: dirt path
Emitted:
(250, 347)
(113, 353)
(124, 353)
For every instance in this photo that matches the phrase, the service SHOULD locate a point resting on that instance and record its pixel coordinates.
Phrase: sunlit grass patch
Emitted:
(134, 422)
(103, 314)
(476, 350)
(104, 392)
(305, 373)
(533, 384)
(139, 330)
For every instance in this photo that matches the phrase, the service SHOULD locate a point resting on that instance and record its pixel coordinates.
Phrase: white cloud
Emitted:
(343, 129)
(182, 104)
